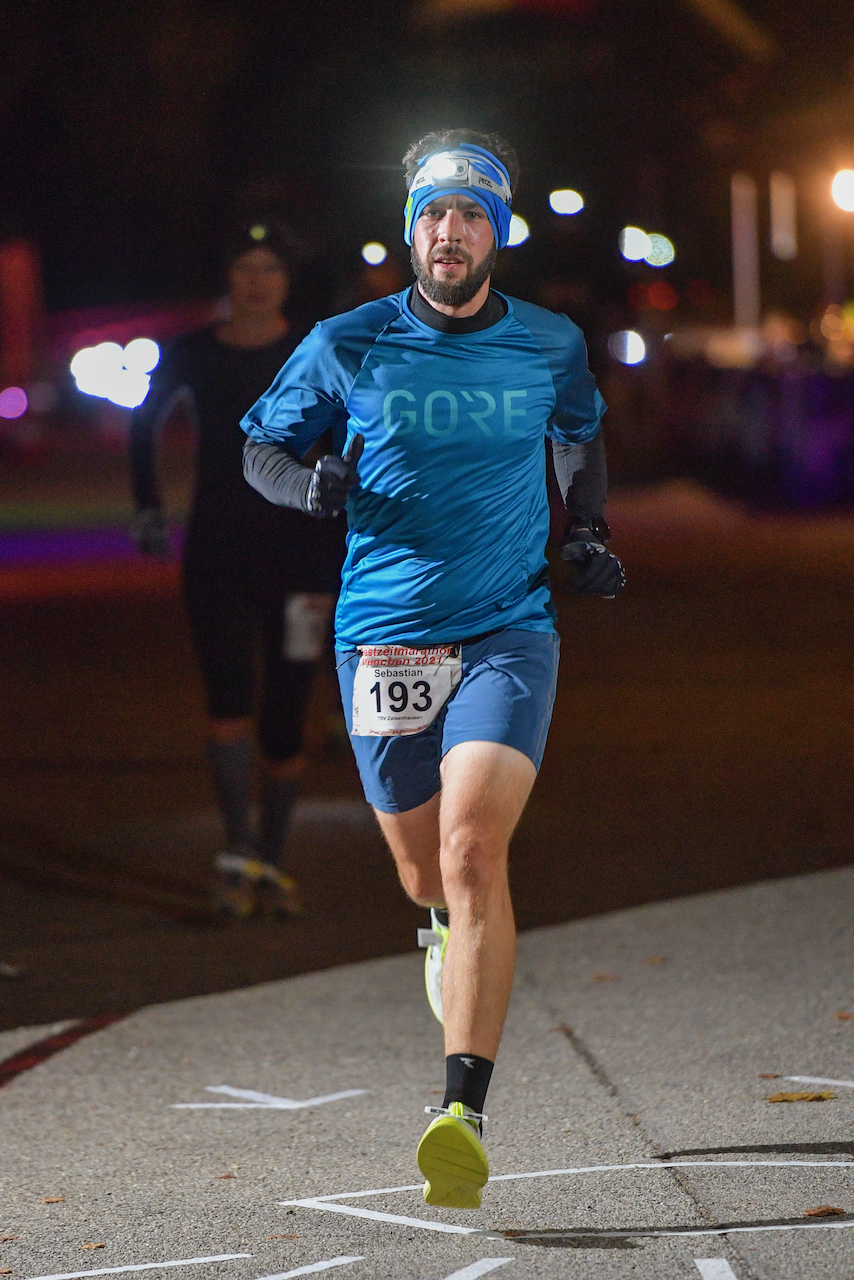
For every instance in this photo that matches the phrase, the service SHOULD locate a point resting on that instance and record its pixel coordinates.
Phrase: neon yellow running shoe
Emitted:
(452, 1158)
(435, 939)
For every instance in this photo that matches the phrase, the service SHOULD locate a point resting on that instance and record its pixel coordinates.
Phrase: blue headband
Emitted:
(466, 169)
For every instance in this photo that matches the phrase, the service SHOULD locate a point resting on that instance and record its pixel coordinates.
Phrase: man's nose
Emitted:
(450, 228)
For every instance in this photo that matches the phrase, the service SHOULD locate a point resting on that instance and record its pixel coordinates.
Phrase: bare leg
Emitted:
(413, 837)
(453, 850)
(485, 786)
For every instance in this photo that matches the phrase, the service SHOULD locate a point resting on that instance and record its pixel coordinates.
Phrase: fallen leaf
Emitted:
(769, 1075)
(53, 1200)
(604, 977)
(823, 1211)
(844, 1017)
(824, 1096)
(655, 960)
(3, 1239)
(225, 1175)
(90, 1245)
(285, 1237)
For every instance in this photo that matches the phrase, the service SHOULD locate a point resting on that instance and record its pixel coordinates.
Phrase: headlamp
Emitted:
(455, 169)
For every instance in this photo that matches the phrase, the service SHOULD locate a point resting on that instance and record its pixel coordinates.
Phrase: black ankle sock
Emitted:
(467, 1080)
(231, 766)
(441, 914)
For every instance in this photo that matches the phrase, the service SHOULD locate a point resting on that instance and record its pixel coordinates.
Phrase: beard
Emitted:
(453, 294)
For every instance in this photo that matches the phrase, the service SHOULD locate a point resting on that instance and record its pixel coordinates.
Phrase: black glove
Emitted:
(596, 571)
(332, 480)
(150, 534)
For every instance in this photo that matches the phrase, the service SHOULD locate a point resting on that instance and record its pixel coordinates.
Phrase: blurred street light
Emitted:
(566, 201)
(661, 252)
(141, 355)
(627, 346)
(842, 190)
(635, 244)
(519, 230)
(13, 402)
(374, 253)
(114, 374)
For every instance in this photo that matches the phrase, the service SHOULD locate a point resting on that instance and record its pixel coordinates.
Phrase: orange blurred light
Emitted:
(842, 190)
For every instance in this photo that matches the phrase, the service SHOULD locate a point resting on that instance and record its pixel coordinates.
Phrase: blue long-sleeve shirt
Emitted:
(448, 528)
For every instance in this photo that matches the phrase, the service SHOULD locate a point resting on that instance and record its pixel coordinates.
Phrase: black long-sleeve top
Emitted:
(229, 521)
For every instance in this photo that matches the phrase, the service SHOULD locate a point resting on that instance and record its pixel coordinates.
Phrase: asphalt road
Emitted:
(702, 738)
(268, 1132)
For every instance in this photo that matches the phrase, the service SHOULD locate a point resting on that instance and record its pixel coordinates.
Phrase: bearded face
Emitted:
(453, 250)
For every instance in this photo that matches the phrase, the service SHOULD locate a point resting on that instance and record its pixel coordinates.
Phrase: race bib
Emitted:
(401, 690)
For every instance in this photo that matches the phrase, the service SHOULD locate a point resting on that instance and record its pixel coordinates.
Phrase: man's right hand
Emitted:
(150, 534)
(332, 480)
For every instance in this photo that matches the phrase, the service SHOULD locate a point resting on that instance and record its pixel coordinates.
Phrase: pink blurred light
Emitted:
(13, 402)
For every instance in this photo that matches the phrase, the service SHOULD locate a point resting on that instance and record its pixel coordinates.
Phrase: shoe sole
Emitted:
(429, 981)
(454, 1164)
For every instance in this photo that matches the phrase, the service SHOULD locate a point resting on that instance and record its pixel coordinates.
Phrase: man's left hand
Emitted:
(595, 570)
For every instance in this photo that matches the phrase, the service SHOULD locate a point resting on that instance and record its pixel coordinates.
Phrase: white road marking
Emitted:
(327, 1202)
(714, 1269)
(261, 1101)
(313, 1268)
(445, 1227)
(842, 1084)
(143, 1266)
(599, 1168)
(479, 1268)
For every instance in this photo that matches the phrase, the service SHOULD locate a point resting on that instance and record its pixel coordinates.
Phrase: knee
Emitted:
(472, 862)
(421, 884)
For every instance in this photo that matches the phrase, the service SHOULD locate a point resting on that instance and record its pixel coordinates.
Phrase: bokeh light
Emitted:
(374, 253)
(627, 346)
(141, 355)
(258, 232)
(519, 230)
(116, 374)
(662, 251)
(566, 201)
(635, 244)
(842, 189)
(13, 402)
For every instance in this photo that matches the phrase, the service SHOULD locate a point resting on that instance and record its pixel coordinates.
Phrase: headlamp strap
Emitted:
(463, 174)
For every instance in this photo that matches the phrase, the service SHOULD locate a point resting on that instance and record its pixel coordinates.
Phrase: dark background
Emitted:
(128, 132)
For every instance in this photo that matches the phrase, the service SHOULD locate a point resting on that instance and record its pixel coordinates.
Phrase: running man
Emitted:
(439, 399)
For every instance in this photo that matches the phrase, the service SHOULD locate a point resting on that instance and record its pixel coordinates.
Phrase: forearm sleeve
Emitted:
(277, 474)
(582, 476)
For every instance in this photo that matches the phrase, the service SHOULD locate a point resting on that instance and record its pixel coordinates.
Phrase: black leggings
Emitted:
(234, 612)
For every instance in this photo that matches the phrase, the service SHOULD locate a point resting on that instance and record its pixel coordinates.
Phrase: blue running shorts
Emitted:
(506, 694)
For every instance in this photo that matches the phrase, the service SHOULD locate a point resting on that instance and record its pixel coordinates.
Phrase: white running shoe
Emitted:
(435, 940)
